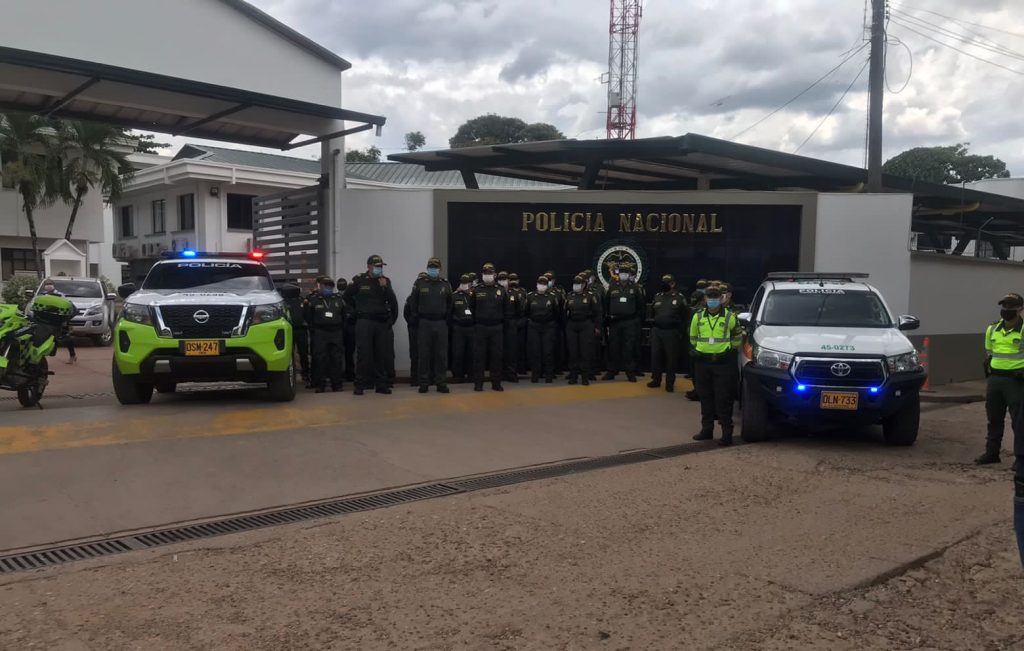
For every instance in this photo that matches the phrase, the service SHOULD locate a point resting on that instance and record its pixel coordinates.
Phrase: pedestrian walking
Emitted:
(1004, 366)
(624, 308)
(670, 316)
(373, 300)
(489, 303)
(325, 313)
(542, 315)
(462, 330)
(431, 305)
(582, 324)
(715, 335)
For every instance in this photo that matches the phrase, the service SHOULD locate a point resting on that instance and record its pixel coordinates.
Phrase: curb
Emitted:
(963, 399)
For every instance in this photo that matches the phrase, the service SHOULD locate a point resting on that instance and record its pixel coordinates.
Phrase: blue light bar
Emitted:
(801, 387)
(188, 253)
(873, 389)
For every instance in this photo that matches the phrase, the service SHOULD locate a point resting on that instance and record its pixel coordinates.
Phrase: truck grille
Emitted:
(830, 372)
(184, 320)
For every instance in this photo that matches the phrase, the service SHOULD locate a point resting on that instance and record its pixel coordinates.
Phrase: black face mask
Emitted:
(666, 287)
(1008, 315)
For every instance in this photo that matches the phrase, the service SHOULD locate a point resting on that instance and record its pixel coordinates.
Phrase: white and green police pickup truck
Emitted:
(824, 350)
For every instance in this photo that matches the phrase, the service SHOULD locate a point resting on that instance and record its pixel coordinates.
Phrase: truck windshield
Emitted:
(78, 288)
(208, 276)
(825, 308)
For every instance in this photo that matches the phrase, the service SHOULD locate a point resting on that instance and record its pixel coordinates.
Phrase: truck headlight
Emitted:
(903, 363)
(773, 359)
(137, 313)
(95, 310)
(267, 313)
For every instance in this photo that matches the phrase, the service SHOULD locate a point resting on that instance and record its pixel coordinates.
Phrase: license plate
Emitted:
(202, 348)
(839, 400)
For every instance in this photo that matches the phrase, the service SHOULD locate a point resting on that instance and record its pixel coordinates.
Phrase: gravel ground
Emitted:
(802, 543)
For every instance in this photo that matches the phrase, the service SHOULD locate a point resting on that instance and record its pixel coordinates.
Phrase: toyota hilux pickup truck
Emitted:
(823, 350)
(201, 317)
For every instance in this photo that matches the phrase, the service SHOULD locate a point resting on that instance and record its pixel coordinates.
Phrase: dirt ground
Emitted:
(804, 543)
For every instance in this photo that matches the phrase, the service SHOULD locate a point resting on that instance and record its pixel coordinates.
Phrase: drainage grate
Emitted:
(236, 524)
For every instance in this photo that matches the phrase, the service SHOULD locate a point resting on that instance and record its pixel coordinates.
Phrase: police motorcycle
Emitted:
(25, 343)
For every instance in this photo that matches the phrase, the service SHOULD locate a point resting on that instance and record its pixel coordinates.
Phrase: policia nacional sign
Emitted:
(738, 243)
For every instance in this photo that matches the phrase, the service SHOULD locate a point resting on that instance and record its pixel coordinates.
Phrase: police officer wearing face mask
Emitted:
(325, 313)
(624, 307)
(513, 314)
(462, 329)
(350, 333)
(715, 335)
(671, 316)
(431, 306)
(542, 309)
(1005, 370)
(489, 303)
(373, 300)
(582, 323)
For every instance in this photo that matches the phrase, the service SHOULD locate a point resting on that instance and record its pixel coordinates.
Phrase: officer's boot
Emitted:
(424, 388)
(655, 381)
(586, 380)
(608, 376)
(692, 396)
(496, 386)
(707, 430)
(670, 382)
(320, 388)
(726, 439)
(631, 376)
(572, 378)
(990, 457)
(479, 386)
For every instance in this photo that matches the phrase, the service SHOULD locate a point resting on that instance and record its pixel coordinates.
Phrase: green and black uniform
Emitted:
(326, 318)
(513, 322)
(715, 339)
(1005, 388)
(583, 316)
(376, 308)
(489, 305)
(541, 316)
(670, 316)
(462, 334)
(431, 303)
(624, 308)
(300, 332)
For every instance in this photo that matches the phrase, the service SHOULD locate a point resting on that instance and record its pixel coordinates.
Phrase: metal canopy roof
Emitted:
(63, 87)
(696, 162)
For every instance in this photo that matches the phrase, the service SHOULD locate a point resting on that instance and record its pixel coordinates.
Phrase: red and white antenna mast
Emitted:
(622, 64)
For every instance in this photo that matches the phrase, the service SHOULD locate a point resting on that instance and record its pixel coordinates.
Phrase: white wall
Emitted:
(51, 222)
(398, 225)
(201, 40)
(870, 234)
(958, 295)
(1008, 187)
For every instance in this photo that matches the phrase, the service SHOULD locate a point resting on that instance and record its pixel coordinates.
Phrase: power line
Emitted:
(924, 24)
(803, 92)
(961, 20)
(973, 56)
(834, 107)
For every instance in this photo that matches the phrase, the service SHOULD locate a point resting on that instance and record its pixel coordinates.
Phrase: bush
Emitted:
(14, 290)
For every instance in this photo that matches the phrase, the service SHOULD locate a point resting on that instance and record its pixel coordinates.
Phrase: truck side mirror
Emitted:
(909, 322)
(289, 291)
(29, 293)
(126, 290)
(111, 296)
(745, 318)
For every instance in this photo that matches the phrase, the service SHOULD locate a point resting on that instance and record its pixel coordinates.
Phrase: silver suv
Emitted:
(95, 308)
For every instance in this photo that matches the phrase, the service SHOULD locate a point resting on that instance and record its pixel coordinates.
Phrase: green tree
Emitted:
(26, 145)
(370, 155)
(147, 143)
(494, 129)
(414, 140)
(949, 164)
(89, 156)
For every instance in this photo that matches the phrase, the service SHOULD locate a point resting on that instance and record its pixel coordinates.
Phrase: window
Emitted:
(208, 276)
(13, 260)
(240, 211)
(186, 212)
(159, 210)
(816, 307)
(127, 222)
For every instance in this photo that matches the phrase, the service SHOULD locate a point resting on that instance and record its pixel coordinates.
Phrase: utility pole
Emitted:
(877, 90)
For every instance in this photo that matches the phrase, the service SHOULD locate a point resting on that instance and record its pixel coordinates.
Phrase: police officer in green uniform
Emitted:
(412, 325)
(325, 313)
(373, 300)
(597, 289)
(300, 334)
(513, 314)
(350, 334)
(462, 329)
(489, 303)
(671, 316)
(520, 360)
(431, 305)
(582, 323)
(542, 321)
(1005, 366)
(715, 335)
(624, 308)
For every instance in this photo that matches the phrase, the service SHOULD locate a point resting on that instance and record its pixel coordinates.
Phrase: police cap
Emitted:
(502, 275)
(668, 278)
(713, 292)
(374, 261)
(513, 276)
(434, 263)
(1012, 300)
(465, 278)
(579, 280)
(488, 267)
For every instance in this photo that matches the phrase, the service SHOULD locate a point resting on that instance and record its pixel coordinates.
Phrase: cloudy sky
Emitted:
(713, 67)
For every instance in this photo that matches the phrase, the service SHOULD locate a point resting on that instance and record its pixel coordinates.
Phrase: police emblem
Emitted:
(615, 255)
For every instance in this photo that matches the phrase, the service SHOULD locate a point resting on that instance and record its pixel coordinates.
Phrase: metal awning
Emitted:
(63, 87)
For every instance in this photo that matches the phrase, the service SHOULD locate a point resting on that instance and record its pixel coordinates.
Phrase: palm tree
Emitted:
(24, 147)
(90, 155)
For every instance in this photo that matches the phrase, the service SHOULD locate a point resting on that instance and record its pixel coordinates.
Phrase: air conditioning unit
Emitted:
(130, 251)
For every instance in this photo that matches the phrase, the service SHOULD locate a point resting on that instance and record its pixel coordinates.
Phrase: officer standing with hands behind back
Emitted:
(489, 303)
(624, 307)
(325, 314)
(715, 336)
(431, 306)
(372, 298)
(670, 314)
(1004, 367)
(582, 323)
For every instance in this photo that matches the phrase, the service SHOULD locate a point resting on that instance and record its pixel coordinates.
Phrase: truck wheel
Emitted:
(281, 385)
(901, 428)
(128, 391)
(104, 339)
(30, 394)
(754, 418)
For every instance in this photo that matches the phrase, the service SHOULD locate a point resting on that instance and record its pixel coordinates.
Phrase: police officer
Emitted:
(489, 301)
(373, 300)
(431, 306)
(350, 334)
(597, 289)
(670, 315)
(624, 308)
(542, 321)
(582, 323)
(412, 325)
(513, 315)
(300, 333)
(325, 313)
(520, 360)
(715, 336)
(1005, 370)
(462, 329)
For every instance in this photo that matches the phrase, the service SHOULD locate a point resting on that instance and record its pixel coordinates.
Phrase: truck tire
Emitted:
(104, 339)
(754, 417)
(127, 390)
(901, 428)
(281, 385)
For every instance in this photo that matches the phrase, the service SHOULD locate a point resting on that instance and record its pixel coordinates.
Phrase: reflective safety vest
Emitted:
(1004, 346)
(714, 334)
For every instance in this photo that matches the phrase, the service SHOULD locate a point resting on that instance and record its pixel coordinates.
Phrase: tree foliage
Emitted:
(494, 129)
(14, 290)
(949, 164)
(369, 155)
(90, 155)
(414, 140)
(147, 143)
(26, 150)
